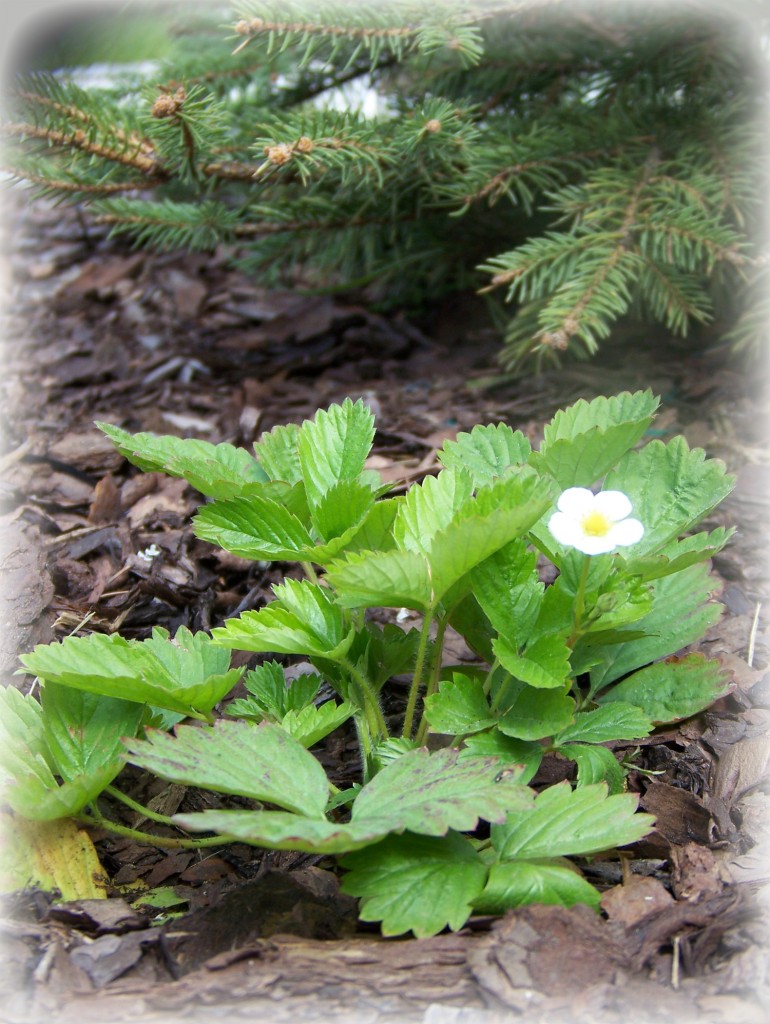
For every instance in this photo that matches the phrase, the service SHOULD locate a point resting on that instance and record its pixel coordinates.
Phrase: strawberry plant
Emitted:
(566, 668)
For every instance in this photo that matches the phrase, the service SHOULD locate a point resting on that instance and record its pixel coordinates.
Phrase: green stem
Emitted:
(136, 806)
(309, 571)
(365, 746)
(435, 673)
(419, 666)
(495, 702)
(164, 842)
(579, 603)
(372, 708)
(488, 681)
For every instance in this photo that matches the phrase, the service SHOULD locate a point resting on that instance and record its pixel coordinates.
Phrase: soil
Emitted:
(185, 344)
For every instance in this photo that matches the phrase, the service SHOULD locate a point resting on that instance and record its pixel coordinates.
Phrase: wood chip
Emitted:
(680, 815)
(633, 902)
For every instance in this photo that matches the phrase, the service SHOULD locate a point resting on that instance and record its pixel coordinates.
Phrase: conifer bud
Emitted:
(168, 106)
(433, 126)
(280, 154)
(164, 106)
(557, 340)
(304, 144)
(246, 28)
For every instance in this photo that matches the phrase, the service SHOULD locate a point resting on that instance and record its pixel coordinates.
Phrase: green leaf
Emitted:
(188, 655)
(522, 882)
(673, 689)
(616, 721)
(344, 797)
(384, 651)
(584, 441)
(258, 761)
(508, 750)
(482, 525)
(431, 793)
(277, 453)
(334, 446)
(216, 470)
(497, 515)
(253, 527)
(303, 619)
(544, 664)
(535, 714)
(469, 620)
(393, 579)
(39, 797)
(310, 724)
(268, 685)
(374, 534)
(279, 830)
(430, 507)
(671, 488)
(387, 751)
(272, 697)
(26, 765)
(161, 897)
(627, 602)
(83, 730)
(507, 587)
(486, 452)
(568, 823)
(412, 883)
(681, 614)
(680, 554)
(344, 506)
(22, 719)
(595, 764)
(459, 707)
(187, 674)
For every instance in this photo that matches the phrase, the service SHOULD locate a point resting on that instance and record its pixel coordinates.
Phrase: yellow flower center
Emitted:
(596, 524)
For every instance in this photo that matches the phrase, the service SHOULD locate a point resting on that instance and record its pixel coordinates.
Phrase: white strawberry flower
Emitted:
(594, 523)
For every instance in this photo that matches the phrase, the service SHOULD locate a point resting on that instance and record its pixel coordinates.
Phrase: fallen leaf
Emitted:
(49, 855)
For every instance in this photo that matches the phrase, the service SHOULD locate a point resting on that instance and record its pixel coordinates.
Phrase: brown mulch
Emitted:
(184, 344)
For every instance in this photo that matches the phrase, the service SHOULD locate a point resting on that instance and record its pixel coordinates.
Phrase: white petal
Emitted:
(614, 505)
(628, 532)
(566, 529)
(576, 501)
(596, 545)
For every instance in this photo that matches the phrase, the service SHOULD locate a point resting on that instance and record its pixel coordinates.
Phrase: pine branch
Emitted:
(611, 162)
(52, 186)
(138, 159)
(396, 28)
(167, 224)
